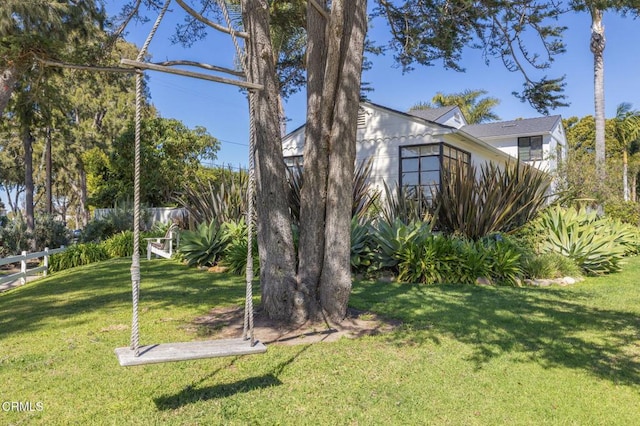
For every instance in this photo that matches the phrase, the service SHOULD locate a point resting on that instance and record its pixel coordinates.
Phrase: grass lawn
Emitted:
(464, 356)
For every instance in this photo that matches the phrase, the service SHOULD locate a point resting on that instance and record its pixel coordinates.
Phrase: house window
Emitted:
(421, 165)
(293, 161)
(530, 148)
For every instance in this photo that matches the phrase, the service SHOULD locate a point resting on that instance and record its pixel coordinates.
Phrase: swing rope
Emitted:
(135, 261)
(247, 332)
(135, 265)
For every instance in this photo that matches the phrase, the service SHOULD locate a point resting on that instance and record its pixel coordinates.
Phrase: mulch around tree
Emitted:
(228, 323)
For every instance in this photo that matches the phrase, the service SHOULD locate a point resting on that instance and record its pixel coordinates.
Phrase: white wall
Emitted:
(383, 134)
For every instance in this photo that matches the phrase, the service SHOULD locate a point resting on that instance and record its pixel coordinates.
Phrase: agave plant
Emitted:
(362, 252)
(205, 245)
(391, 237)
(593, 243)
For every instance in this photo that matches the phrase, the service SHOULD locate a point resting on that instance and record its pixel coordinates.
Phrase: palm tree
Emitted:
(627, 131)
(597, 46)
(475, 110)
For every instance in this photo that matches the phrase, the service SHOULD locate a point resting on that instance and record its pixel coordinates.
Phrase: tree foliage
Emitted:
(430, 31)
(171, 155)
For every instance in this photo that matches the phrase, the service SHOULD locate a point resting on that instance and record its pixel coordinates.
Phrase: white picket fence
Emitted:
(22, 259)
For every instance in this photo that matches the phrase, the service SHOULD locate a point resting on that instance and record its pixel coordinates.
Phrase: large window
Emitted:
(530, 148)
(421, 165)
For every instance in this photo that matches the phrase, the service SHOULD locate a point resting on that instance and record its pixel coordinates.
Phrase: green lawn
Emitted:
(464, 356)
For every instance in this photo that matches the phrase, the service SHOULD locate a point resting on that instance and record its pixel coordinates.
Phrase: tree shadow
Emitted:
(107, 285)
(551, 327)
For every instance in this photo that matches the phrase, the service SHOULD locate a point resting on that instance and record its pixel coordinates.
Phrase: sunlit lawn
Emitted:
(464, 356)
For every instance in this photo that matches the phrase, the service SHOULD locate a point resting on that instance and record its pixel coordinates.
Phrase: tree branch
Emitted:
(210, 23)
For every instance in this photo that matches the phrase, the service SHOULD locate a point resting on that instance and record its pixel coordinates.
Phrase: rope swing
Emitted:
(136, 354)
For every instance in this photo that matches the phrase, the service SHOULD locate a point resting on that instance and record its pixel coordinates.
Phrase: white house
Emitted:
(412, 148)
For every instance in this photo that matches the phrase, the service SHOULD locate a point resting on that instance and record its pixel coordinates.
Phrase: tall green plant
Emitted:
(221, 201)
(77, 255)
(364, 196)
(362, 246)
(205, 245)
(402, 204)
(391, 237)
(500, 200)
(235, 253)
(594, 243)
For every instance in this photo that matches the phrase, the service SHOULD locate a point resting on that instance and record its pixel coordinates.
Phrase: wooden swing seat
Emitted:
(186, 351)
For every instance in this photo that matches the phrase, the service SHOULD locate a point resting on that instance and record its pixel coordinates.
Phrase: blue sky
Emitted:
(223, 109)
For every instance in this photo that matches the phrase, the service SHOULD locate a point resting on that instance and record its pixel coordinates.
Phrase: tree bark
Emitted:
(275, 238)
(27, 144)
(334, 69)
(335, 281)
(597, 48)
(313, 192)
(8, 80)
(49, 173)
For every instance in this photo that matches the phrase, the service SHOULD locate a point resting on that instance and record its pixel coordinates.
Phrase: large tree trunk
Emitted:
(275, 239)
(8, 79)
(334, 74)
(334, 55)
(313, 193)
(597, 48)
(335, 282)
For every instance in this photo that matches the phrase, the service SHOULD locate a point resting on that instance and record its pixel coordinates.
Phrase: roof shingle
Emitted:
(514, 127)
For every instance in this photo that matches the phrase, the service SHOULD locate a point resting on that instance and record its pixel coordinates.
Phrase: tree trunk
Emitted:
(334, 71)
(597, 48)
(8, 79)
(275, 239)
(82, 197)
(48, 172)
(625, 175)
(314, 188)
(27, 143)
(335, 281)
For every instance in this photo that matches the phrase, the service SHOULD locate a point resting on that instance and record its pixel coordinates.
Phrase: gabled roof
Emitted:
(431, 114)
(514, 127)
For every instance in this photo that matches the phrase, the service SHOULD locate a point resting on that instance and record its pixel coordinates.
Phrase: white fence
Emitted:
(156, 214)
(22, 259)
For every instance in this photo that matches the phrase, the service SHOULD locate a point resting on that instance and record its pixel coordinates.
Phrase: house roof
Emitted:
(514, 127)
(431, 114)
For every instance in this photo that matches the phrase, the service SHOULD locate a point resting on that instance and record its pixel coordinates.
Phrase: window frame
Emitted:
(526, 143)
(444, 161)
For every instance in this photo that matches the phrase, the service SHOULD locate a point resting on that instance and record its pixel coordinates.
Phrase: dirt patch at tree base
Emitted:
(228, 323)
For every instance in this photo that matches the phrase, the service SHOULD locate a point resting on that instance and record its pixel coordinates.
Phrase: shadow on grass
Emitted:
(191, 395)
(107, 285)
(546, 326)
